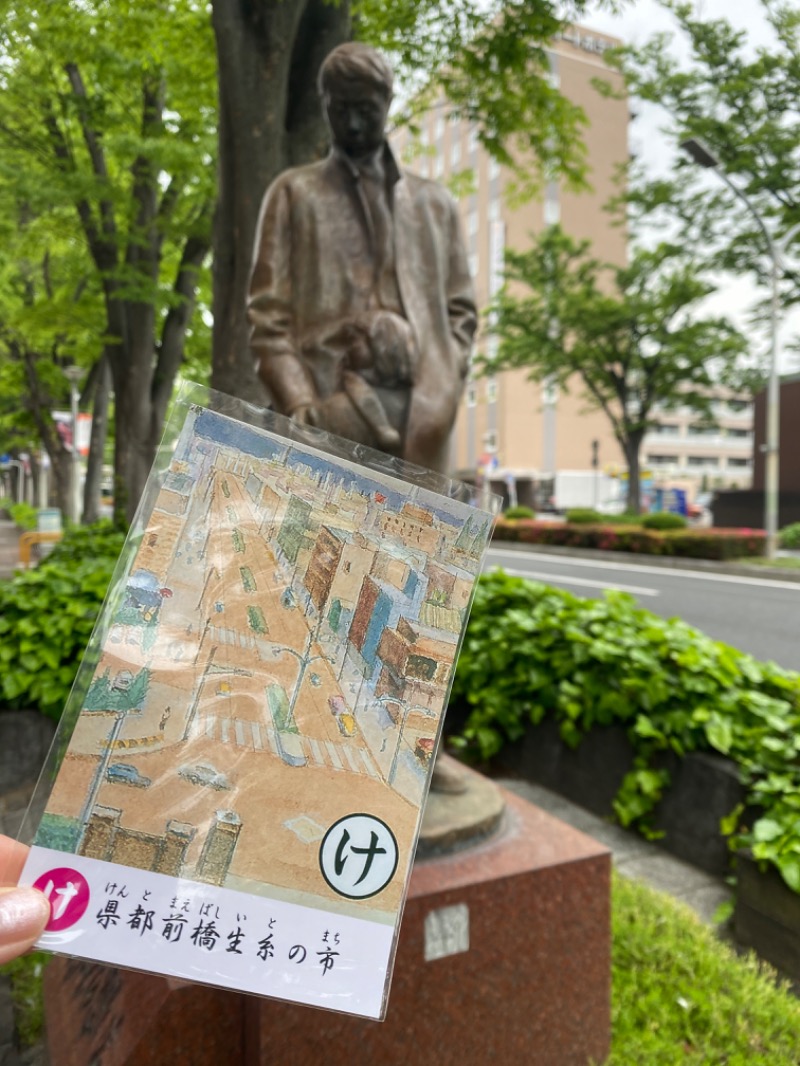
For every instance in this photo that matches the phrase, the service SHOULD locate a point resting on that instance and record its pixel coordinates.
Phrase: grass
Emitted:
(786, 562)
(682, 996)
(679, 996)
(26, 994)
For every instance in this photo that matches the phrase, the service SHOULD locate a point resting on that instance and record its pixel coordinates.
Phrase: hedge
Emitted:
(531, 651)
(718, 544)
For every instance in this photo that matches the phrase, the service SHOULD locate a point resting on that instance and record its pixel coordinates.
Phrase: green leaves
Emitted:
(532, 651)
(47, 616)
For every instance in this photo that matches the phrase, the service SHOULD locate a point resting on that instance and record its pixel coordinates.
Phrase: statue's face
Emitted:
(357, 117)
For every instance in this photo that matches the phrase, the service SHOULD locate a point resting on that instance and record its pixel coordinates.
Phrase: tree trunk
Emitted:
(632, 447)
(97, 445)
(268, 56)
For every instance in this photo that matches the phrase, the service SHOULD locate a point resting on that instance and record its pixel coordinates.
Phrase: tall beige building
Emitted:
(532, 428)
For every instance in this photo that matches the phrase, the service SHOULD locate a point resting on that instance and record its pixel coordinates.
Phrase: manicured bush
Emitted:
(519, 512)
(583, 516)
(719, 544)
(532, 651)
(624, 519)
(47, 616)
(790, 536)
(23, 515)
(663, 520)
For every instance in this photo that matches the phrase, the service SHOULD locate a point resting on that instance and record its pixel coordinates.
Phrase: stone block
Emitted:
(533, 984)
(767, 915)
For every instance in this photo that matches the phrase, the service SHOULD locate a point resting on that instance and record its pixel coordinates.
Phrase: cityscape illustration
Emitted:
(279, 658)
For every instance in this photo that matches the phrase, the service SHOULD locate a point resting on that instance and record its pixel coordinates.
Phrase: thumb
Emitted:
(24, 912)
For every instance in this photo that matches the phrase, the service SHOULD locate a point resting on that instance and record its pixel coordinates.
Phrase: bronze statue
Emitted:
(361, 301)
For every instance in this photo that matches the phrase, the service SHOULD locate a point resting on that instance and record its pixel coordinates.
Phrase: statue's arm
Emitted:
(461, 309)
(270, 306)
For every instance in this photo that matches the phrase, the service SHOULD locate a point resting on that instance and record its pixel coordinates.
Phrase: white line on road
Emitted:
(663, 571)
(586, 582)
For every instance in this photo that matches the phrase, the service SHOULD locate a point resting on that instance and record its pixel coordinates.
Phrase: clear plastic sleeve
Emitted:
(235, 790)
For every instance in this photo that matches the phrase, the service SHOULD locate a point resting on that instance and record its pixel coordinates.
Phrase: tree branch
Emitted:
(96, 154)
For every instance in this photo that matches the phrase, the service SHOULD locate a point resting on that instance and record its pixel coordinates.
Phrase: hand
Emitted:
(24, 912)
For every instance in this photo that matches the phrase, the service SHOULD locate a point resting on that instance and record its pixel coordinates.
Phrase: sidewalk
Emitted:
(9, 547)
(665, 562)
(632, 856)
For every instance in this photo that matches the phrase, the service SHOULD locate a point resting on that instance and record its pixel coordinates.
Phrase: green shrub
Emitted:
(790, 536)
(47, 616)
(531, 651)
(719, 544)
(519, 512)
(627, 518)
(23, 515)
(663, 520)
(583, 516)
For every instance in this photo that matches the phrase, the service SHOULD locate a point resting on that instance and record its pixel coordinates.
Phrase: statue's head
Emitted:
(355, 83)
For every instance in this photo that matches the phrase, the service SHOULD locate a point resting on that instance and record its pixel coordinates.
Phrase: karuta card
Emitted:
(238, 781)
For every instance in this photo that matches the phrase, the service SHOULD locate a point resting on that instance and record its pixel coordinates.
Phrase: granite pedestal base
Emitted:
(504, 956)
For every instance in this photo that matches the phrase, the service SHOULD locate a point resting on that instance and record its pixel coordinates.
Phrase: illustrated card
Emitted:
(238, 780)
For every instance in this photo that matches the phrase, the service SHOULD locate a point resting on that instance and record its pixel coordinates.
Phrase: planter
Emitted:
(704, 788)
(767, 915)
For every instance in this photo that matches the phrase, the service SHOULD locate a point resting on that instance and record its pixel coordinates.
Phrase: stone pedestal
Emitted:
(504, 956)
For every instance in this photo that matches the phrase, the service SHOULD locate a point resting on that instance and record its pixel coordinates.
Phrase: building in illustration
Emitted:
(416, 664)
(380, 606)
(294, 527)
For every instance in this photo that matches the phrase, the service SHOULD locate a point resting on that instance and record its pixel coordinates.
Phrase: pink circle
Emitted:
(68, 892)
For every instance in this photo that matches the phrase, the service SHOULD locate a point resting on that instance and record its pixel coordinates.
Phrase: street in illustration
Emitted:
(270, 687)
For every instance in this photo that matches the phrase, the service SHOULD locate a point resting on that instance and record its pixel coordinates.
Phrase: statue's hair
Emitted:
(355, 62)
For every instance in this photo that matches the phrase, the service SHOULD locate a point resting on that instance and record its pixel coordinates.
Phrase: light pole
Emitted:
(704, 158)
(73, 375)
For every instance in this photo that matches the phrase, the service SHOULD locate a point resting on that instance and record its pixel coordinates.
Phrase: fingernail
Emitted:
(24, 912)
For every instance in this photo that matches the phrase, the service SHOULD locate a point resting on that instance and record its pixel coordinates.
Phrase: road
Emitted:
(758, 616)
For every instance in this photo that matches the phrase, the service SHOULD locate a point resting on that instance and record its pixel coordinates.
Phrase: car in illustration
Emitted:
(341, 712)
(122, 773)
(205, 774)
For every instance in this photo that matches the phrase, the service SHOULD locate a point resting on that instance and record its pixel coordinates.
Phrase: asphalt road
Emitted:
(758, 616)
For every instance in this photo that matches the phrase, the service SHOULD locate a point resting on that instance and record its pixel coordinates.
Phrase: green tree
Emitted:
(630, 335)
(743, 103)
(488, 59)
(107, 110)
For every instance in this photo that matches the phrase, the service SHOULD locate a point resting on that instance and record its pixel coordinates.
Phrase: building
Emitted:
(529, 430)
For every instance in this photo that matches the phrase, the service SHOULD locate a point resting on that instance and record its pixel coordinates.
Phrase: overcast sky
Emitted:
(639, 20)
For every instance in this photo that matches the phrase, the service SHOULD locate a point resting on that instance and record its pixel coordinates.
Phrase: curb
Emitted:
(665, 562)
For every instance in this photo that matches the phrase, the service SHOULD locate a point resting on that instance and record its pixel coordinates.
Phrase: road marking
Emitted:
(353, 764)
(271, 740)
(238, 726)
(256, 731)
(224, 729)
(315, 751)
(334, 754)
(603, 564)
(368, 763)
(586, 582)
(210, 724)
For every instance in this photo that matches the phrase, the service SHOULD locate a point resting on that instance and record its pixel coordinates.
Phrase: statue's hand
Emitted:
(306, 414)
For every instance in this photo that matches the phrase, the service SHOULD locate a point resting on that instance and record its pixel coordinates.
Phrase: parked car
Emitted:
(205, 774)
(122, 773)
(341, 712)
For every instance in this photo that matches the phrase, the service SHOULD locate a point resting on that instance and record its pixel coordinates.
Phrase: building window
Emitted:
(662, 460)
(455, 150)
(473, 265)
(438, 166)
(707, 462)
(472, 395)
(552, 212)
(472, 223)
(738, 464)
(490, 440)
(472, 144)
(494, 169)
(665, 429)
(438, 133)
(740, 434)
(491, 391)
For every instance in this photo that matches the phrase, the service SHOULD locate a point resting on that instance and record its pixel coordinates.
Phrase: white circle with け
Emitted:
(358, 856)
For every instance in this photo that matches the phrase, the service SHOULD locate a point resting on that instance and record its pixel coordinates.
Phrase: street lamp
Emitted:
(704, 158)
(73, 375)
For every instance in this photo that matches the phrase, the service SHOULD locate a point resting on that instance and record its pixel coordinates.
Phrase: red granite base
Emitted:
(532, 987)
